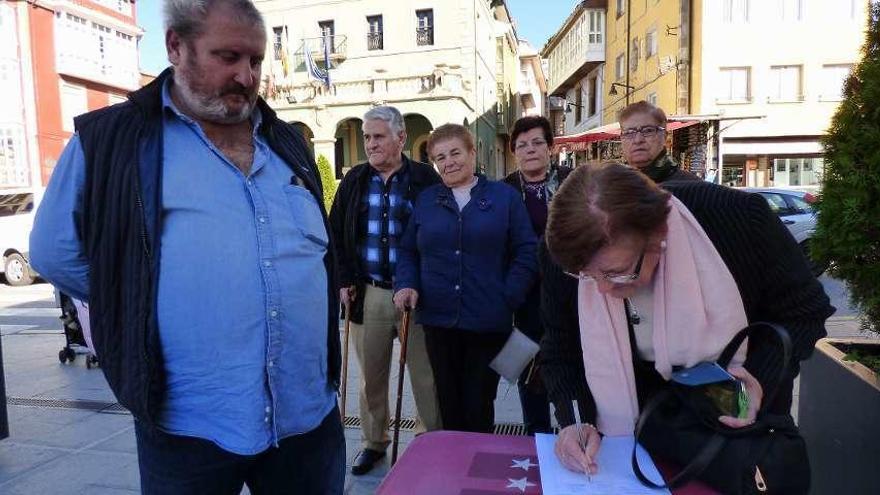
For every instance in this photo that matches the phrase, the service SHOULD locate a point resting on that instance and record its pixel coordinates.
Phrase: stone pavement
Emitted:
(66, 436)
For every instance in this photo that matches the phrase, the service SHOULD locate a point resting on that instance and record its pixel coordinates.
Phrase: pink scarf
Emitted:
(697, 310)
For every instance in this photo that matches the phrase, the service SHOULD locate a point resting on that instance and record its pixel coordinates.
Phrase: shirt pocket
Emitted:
(307, 214)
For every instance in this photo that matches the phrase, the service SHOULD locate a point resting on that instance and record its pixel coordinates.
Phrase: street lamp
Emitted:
(626, 87)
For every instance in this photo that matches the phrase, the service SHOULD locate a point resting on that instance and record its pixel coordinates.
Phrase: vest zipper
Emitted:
(760, 484)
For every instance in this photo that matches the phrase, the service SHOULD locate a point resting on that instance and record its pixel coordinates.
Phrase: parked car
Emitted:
(795, 209)
(16, 221)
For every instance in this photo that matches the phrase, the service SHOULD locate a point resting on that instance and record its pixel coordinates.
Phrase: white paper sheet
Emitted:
(615, 470)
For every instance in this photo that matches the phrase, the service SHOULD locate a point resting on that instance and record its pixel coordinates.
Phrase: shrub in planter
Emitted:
(848, 226)
(328, 181)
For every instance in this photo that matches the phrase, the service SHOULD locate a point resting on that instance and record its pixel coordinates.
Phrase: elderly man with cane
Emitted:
(369, 213)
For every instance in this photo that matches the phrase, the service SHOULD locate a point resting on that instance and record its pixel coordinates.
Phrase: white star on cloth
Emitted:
(524, 464)
(521, 484)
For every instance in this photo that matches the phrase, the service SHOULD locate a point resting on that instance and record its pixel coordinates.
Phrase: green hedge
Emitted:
(848, 230)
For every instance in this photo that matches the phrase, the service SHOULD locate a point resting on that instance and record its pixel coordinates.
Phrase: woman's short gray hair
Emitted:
(389, 115)
(187, 17)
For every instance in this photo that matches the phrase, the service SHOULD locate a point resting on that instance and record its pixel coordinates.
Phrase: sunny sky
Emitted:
(536, 20)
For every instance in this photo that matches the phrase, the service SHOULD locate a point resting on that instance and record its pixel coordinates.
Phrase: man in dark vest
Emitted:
(190, 218)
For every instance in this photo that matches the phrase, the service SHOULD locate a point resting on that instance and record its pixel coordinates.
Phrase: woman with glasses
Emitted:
(643, 143)
(639, 280)
(536, 181)
(466, 261)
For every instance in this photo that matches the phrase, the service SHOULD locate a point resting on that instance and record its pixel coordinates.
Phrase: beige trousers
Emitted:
(373, 344)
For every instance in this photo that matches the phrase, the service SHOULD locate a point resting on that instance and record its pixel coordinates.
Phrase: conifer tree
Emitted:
(848, 227)
(328, 181)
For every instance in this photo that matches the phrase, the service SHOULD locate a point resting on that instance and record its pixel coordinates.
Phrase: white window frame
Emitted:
(597, 26)
(651, 43)
(635, 54)
(74, 101)
(735, 11)
(728, 77)
(13, 160)
(652, 98)
(779, 74)
(833, 79)
(619, 67)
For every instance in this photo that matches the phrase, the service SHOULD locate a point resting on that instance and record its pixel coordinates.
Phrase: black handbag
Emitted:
(680, 425)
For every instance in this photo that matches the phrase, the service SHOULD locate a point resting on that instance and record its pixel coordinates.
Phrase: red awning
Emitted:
(579, 142)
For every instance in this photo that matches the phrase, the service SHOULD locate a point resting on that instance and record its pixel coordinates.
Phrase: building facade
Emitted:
(532, 82)
(60, 59)
(438, 62)
(784, 61)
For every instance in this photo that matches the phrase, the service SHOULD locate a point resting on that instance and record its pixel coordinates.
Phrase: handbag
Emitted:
(680, 424)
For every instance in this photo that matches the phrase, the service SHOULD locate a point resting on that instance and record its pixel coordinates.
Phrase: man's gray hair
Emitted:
(389, 115)
(187, 17)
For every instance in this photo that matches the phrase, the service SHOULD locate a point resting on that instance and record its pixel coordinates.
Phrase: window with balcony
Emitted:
(790, 10)
(785, 83)
(597, 26)
(621, 7)
(735, 11)
(734, 85)
(277, 44)
(593, 99)
(652, 98)
(425, 27)
(94, 51)
(619, 67)
(328, 32)
(122, 6)
(651, 43)
(374, 32)
(634, 55)
(833, 79)
(13, 162)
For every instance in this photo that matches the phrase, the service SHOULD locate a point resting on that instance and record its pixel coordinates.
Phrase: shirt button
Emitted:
(268, 409)
(250, 182)
(384, 215)
(271, 364)
(262, 219)
(266, 420)
(267, 263)
(273, 313)
(457, 287)
(457, 252)
(384, 240)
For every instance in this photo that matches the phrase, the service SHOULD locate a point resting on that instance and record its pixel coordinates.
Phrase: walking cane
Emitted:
(404, 336)
(344, 385)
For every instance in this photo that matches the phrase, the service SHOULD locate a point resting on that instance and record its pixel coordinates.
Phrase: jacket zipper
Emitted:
(760, 484)
(147, 251)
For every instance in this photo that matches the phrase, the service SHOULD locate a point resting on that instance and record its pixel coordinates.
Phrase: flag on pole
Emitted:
(285, 58)
(312, 68)
(327, 40)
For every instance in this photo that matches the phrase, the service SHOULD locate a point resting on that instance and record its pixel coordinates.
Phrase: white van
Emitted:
(16, 221)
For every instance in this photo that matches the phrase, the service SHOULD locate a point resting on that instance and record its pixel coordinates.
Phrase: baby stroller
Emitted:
(78, 338)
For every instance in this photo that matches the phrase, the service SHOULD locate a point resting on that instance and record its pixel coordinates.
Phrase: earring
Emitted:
(663, 245)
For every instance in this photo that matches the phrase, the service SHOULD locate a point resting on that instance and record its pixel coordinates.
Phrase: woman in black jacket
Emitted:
(681, 273)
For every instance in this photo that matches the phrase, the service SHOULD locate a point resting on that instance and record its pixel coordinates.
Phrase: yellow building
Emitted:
(655, 68)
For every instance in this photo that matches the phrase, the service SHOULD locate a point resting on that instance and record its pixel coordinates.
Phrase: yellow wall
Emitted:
(646, 78)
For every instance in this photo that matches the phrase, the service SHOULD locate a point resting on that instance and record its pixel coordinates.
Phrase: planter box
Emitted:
(839, 416)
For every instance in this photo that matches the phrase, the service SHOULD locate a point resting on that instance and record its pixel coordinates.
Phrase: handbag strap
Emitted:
(693, 469)
(785, 341)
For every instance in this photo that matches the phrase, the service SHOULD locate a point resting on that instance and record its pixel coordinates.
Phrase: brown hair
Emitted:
(597, 204)
(643, 106)
(526, 124)
(449, 131)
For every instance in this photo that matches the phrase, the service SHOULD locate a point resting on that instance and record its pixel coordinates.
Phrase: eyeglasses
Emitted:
(615, 278)
(535, 143)
(647, 132)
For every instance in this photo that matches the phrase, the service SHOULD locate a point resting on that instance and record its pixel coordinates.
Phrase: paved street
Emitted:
(67, 435)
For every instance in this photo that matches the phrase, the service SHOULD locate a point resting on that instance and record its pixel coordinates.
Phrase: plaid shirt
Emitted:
(385, 212)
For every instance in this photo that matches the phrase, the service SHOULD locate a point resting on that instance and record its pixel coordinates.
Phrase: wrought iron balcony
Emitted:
(425, 36)
(375, 41)
(337, 47)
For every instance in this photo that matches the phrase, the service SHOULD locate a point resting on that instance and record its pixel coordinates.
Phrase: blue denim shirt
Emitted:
(242, 308)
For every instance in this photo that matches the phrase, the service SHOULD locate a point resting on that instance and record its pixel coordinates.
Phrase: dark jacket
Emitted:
(528, 317)
(346, 217)
(473, 268)
(121, 228)
(773, 277)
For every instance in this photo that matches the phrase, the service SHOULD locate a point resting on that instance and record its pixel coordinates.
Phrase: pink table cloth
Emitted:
(457, 463)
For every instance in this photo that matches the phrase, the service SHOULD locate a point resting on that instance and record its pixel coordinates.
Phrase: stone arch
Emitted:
(307, 134)
(349, 146)
(418, 128)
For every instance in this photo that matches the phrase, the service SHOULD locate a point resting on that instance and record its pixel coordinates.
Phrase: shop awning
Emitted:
(579, 142)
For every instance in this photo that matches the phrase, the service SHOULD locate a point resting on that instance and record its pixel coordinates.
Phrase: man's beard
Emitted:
(211, 107)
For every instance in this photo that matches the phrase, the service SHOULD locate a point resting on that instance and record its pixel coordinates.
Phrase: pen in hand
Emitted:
(582, 438)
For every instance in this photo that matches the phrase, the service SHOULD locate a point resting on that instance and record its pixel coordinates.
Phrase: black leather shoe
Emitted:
(365, 461)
